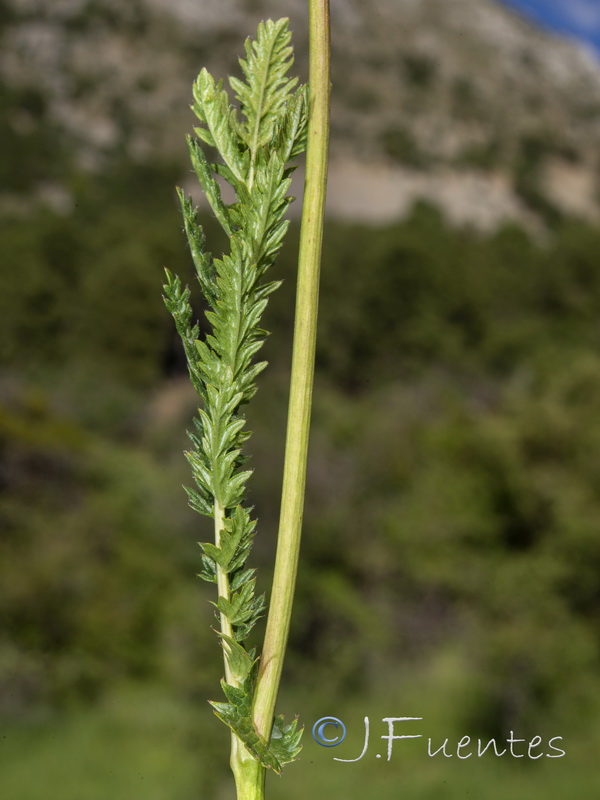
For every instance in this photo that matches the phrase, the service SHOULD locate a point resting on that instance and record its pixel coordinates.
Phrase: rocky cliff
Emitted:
(458, 102)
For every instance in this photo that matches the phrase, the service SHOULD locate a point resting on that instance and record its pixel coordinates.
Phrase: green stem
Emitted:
(223, 588)
(303, 359)
(249, 774)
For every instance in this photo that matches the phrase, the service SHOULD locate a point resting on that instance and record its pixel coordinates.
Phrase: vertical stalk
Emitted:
(223, 589)
(303, 359)
(249, 774)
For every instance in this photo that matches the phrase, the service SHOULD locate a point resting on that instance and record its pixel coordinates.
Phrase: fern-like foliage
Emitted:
(255, 150)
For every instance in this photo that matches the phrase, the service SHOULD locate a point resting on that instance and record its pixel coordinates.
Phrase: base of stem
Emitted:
(248, 772)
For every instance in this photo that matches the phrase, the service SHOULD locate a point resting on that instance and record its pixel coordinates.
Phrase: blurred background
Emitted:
(451, 559)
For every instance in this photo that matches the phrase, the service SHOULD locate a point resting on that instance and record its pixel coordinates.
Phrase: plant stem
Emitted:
(249, 774)
(303, 359)
(223, 588)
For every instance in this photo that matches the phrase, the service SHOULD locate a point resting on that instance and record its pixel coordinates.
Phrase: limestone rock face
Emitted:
(458, 102)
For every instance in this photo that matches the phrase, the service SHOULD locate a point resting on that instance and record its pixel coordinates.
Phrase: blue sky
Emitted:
(578, 18)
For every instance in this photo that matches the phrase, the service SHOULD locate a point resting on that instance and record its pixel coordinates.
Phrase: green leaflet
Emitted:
(266, 93)
(254, 154)
(236, 540)
(285, 740)
(284, 744)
